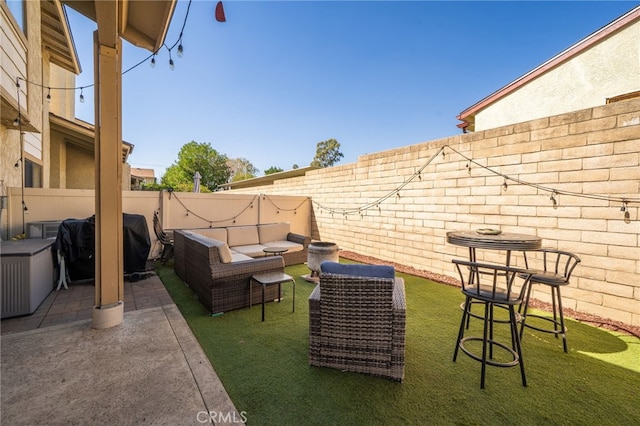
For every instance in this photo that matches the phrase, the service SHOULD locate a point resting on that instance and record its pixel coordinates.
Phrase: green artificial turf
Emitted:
(264, 367)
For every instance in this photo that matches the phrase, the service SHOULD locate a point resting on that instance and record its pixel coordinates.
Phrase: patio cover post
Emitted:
(109, 281)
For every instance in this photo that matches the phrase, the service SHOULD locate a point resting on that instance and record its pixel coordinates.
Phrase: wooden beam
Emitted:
(107, 18)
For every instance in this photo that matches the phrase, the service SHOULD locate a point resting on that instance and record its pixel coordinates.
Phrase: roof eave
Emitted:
(143, 23)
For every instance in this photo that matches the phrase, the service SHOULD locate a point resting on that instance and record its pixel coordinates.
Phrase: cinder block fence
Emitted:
(572, 179)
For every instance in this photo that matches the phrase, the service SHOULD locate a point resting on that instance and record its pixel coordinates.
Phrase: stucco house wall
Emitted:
(21, 56)
(590, 151)
(584, 81)
(64, 155)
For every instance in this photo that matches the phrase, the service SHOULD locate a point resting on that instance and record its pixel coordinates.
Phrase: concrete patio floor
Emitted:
(56, 369)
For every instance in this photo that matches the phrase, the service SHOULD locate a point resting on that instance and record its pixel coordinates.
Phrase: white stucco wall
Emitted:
(609, 68)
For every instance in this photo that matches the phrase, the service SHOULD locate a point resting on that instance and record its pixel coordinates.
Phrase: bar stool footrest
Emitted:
(560, 330)
(481, 317)
(515, 361)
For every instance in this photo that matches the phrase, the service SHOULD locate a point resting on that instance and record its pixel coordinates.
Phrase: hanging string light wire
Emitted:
(294, 209)
(25, 209)
(151, 56)
(209, 221)
(625, 201)
(376, 203)
(553, 191)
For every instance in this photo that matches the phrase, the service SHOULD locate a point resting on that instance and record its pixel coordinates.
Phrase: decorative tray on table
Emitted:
(488, 231)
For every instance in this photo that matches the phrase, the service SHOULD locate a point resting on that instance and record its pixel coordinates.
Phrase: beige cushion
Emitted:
(242, 235)
(224, 253)
(219, 234)
(289, 245)
(253, 250)
(239, 257)
(273, 232)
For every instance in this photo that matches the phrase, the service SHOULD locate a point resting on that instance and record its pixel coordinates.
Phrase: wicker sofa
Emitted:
(219, 277)
(357, 320)
(251, 240)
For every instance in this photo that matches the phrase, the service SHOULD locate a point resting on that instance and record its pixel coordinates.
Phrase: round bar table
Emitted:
(503, 241)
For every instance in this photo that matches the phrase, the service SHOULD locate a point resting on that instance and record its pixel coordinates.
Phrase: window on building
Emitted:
(32, 174)
(17, 10)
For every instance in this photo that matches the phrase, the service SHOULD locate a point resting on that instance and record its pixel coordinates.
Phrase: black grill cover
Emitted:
(76, 242)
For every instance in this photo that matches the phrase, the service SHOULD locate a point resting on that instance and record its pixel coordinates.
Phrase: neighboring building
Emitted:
(35, 38)
(38, 57)
(141, 177)
(602, 68)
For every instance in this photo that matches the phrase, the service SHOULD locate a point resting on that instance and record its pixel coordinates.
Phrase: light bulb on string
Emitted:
(624, 206)
(48, 93)
(504, 185)
(81, 96)
(180, 50)
(172, 66)
(553, 199)
(153, 61)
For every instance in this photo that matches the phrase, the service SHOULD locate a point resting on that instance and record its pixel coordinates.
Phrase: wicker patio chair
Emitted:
(357, 322)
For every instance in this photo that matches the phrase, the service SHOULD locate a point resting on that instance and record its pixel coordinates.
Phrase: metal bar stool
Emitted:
(492, 286)
(557, 267)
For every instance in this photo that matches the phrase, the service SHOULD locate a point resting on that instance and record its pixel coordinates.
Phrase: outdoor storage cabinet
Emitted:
(27, 275)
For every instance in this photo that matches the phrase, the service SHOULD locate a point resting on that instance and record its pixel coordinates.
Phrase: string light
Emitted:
(172, 66)
(48, 93)
(553, 196)
(152, 57)
(189, 212)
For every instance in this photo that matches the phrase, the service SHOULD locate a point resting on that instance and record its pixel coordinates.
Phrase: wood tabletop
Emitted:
(502, 241)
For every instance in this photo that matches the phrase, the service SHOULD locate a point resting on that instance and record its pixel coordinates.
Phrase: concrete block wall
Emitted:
(381, 206)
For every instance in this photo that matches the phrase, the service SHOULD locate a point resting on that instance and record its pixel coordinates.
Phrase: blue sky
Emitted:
(279, 77)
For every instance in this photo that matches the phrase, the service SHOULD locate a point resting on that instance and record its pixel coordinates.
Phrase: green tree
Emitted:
(197, 157)
(327, 153)
(271, 170)
(241, 169)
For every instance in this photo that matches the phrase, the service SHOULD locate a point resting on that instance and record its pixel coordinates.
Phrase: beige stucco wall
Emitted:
(80, 170)
(608, 69)
(22, 57)
(62, 101)
(591, 151)
(177, 210)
